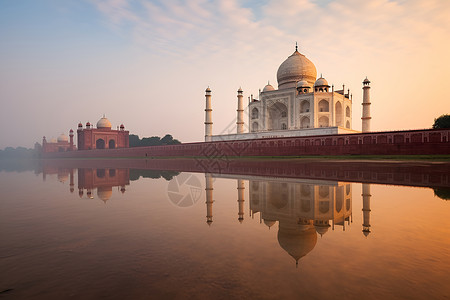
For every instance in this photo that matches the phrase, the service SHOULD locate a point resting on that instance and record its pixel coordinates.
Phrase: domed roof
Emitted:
(297, 243)
(268, 88)
(62, 177)
(321, 82)
(269, 223)
(321, 229)
(295, 68)
(104, 193)
(303, 83)
(62, 138)
(103, 123)
(366, 80)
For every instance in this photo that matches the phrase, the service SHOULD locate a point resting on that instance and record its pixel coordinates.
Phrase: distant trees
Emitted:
(442, 122)
(17, 153)
(135, 141)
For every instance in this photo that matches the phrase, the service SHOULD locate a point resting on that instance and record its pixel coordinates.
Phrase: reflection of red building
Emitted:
(103, 180)
(102, 137)
(58, 145)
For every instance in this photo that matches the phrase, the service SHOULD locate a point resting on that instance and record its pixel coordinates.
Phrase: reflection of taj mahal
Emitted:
(303, 208)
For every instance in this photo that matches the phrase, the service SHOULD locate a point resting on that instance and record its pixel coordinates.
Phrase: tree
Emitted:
(442, 122)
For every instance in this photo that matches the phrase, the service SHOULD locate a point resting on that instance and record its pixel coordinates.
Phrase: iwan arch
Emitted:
(303, 105)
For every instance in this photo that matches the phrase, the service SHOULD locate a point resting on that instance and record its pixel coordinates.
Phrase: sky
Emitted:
(146, 64)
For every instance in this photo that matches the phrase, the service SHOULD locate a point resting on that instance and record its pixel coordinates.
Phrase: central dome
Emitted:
(295, 68)
(104, 123)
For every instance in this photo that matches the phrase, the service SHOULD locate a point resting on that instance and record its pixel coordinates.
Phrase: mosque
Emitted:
(89, 137)
(303, 105)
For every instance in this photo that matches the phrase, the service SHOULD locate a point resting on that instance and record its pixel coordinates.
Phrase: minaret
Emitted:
(240, 112)
(366, 208)
(208, 116)
(209, 198)
(71, 139)
(241, 190)
(71, 181)
(366, 106)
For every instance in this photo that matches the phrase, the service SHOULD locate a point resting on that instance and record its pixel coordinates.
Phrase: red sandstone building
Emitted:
(102, 137)
(61, 144)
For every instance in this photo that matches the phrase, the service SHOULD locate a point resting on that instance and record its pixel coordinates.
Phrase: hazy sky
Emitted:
(146, 64)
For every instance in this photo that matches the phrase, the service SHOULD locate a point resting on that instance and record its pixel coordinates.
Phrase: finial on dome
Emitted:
(296, 47)
(321, 75)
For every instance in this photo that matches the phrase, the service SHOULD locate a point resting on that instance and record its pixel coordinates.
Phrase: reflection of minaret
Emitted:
(209, 198)
(71, 181)
(241, 189)
(366, 208)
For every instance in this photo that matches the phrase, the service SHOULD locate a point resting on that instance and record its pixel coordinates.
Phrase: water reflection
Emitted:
(104, 180)
(303, 209)
(263, 217)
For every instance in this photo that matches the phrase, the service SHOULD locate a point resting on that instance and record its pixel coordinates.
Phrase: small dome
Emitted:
(104, 193)
(80, 125)
(63, 177)
(71, 131)
(268, 88)
(366, 80)
(121, 126)
(269, 223)
(104, 123)
(303, 83)
(88, 124)
(321, 82)
(208, 89)
(62, 138)
(321, 229)
(240, 90)
(295, 68)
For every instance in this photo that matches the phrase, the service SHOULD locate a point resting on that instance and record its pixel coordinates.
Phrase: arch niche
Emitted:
(304, 106)
(339, 114)
(255, 126)
(100, 144)
(255, 113)
(304, 122)
(112, 144)
(277, 116)
(323, 121)
(324, 106)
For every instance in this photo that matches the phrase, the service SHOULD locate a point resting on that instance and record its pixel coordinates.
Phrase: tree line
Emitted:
(135, 141)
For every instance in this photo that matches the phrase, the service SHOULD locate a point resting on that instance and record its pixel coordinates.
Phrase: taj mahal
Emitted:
(303, 105)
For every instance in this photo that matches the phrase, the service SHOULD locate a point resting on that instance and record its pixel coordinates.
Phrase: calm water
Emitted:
(123, 233)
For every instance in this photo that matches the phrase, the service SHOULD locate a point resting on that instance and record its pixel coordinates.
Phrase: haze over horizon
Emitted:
(146, 64)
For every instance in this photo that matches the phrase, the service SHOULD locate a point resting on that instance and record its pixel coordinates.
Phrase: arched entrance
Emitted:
(112, 144)
(100, 144)
(277, 116)
(339, 115)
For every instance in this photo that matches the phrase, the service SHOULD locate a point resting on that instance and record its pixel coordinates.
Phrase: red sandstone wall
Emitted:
(412, 142)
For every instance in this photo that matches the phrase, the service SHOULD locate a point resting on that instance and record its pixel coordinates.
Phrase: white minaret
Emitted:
(240, 112)
(209, 198)
(366, 106)
(366, 208)
(208, 116)
(241, 190)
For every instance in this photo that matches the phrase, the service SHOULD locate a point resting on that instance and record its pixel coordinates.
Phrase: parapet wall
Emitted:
(411, 142)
